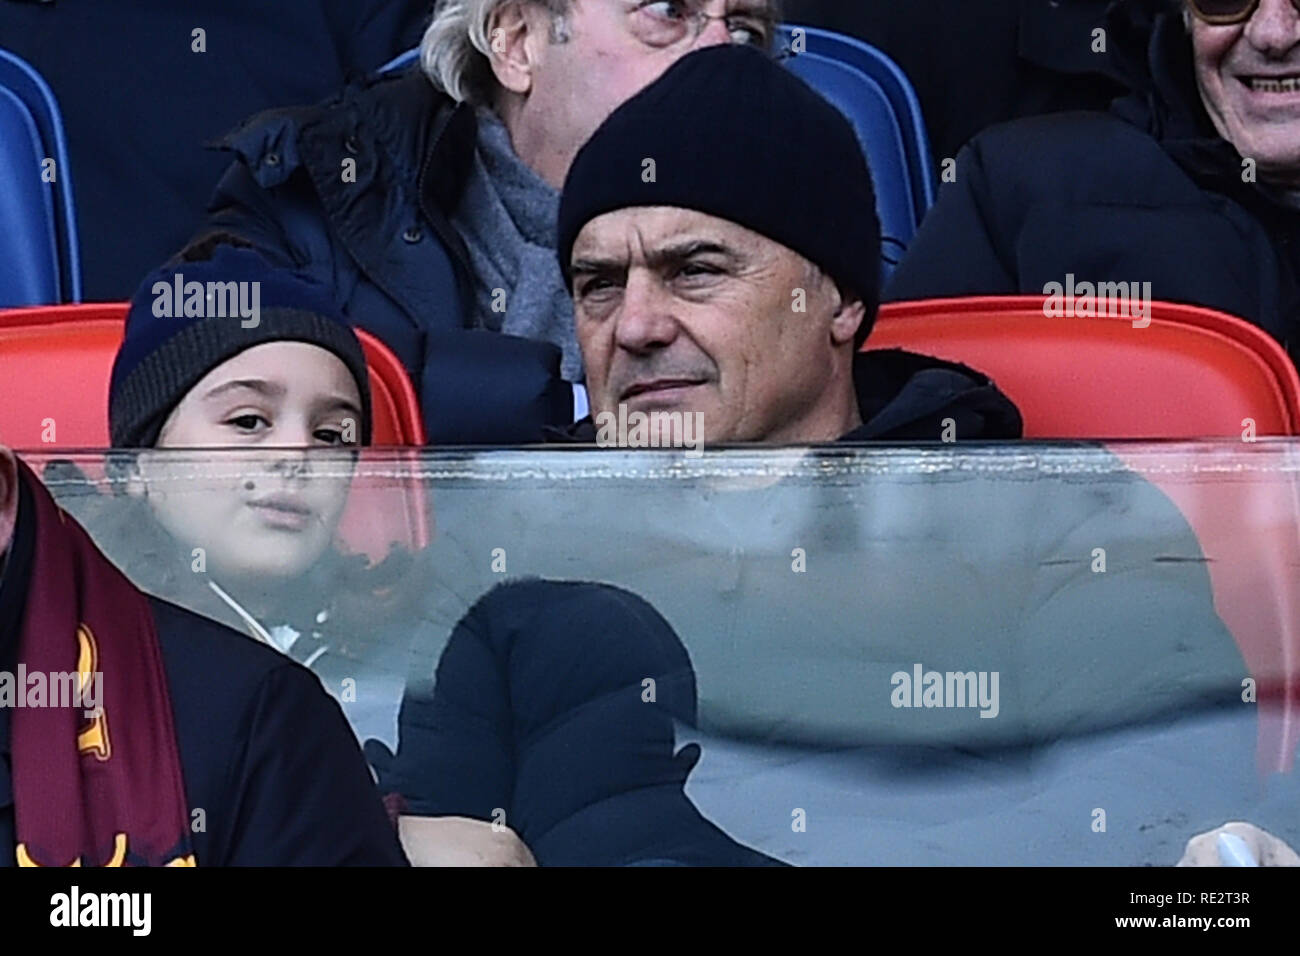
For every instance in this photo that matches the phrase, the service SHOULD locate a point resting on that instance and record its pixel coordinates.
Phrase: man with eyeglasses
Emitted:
(427, 198)
(1191, 183)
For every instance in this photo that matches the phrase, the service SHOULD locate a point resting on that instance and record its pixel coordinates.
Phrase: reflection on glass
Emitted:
(944, 655)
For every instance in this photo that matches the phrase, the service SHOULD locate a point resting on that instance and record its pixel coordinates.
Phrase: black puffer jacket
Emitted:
(1146, 193)
(555, 702)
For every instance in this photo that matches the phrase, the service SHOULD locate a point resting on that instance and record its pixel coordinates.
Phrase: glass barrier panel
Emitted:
(1016, 654)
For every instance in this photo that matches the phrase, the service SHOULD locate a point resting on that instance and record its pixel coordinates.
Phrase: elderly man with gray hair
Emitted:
(427, 199)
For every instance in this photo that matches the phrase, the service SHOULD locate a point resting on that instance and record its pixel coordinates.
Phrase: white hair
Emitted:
(456, 51)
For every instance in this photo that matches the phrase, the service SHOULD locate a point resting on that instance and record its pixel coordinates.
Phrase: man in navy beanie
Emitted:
(719, 236)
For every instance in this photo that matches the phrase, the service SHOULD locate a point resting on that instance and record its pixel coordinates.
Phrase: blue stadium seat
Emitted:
(39, 259)
(401, 61)
(869, 88)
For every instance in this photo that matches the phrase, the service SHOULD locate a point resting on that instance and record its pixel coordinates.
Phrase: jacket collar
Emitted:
(904, 397)
(448, 155)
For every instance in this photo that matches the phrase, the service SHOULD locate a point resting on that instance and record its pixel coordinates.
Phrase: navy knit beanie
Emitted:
(733, 134)
(189, 317)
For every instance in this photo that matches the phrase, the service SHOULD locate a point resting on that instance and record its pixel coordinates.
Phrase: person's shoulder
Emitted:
(1070, 158)
(1080, 138)
(210, 644)
(401, 88)
(266, 753)
(401, 95)
(400, 101)
(216, 673)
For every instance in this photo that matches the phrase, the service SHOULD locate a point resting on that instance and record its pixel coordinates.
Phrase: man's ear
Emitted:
(848, 317)
(512, 35)
(8, 497)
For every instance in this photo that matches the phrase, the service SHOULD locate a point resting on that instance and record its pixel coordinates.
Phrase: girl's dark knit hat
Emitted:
(189, 317)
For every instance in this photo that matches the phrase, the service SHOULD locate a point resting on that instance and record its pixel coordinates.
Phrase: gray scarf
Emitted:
(507, 219)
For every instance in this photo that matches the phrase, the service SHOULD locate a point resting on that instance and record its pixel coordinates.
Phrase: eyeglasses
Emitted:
(1222, 12)
(663, 23)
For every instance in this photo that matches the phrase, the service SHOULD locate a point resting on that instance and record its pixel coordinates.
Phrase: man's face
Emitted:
(1249, 78)
(679, 311)
(268, 509)
(603, 52)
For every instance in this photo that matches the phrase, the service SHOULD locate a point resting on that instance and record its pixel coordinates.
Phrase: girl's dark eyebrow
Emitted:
(333, 403)
(261, 386)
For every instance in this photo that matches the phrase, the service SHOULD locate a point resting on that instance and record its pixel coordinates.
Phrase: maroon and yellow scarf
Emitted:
(105, 790)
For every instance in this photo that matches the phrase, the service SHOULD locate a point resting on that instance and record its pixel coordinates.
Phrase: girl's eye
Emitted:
(248, 423)
(328, 436)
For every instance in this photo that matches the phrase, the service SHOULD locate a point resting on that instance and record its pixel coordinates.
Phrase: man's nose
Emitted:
(715, 32)
(1275, 28)
(645, 319)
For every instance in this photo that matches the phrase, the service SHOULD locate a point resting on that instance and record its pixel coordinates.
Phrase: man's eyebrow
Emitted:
(674, 253)
(260, 386)
(663, 256)
(589, 265)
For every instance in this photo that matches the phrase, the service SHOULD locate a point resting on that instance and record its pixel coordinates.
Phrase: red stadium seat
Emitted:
(46, 349)
(1193, 373)
(55, 363)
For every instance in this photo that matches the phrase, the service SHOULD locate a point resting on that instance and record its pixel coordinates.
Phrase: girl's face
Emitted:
(268, 509)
